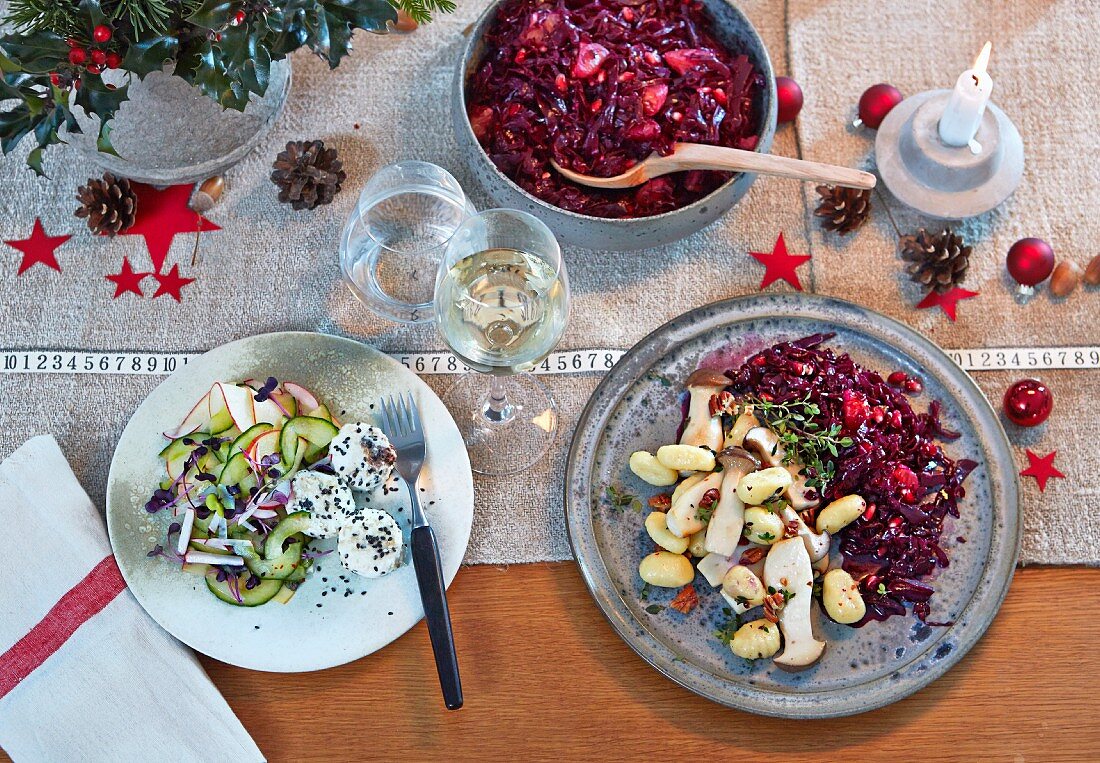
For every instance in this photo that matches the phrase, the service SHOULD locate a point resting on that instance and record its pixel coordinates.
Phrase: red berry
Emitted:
(94, 68)
(114, 60)
(1028, 402)
(789, 95)
(238, 18)
(77, 56)
(55, 79)
(914, 385)
(102, 33)
(99, 57)
(71, 42)
(896, 379)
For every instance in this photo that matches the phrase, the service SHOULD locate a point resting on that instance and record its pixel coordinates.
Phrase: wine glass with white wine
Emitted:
(501, 303)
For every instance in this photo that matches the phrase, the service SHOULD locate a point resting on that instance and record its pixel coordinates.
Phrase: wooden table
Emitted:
(546, 679)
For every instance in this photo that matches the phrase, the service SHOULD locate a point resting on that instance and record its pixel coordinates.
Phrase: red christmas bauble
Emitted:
(790, 99)
(101, 33)
(876, 102)
(1030, 261)
(114, 60)
(1028, 402)
(77, 56)
(99, 57)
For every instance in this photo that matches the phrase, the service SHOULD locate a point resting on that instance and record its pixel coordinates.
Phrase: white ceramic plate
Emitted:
(320, 627)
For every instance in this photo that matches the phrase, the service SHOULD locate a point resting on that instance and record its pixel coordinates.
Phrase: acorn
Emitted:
(1092, 272)
(208, 193)
(1065, 278)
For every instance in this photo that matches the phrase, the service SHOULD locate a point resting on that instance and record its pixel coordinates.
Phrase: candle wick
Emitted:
(977, 82)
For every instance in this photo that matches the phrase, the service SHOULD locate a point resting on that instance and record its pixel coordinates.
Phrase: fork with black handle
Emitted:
(401, 422)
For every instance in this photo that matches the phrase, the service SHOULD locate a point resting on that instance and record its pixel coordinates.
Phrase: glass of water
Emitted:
(395, 239)
(501, 303)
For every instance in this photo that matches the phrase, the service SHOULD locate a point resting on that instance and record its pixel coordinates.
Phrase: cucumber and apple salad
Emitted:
(228, 467)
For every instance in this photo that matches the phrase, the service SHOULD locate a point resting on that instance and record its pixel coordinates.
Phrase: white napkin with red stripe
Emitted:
(85, 674)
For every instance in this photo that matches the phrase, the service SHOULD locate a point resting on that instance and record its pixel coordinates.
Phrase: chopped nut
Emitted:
(661, 502)
(686, 600)
(752, 555)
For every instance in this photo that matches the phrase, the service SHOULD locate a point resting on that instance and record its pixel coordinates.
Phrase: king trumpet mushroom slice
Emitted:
(724, 529)
(741, 426)
(703, 428)
(687, 484)
(816, 543)
(714, 567)
(765, 443)
(691, 510)
(787, 571)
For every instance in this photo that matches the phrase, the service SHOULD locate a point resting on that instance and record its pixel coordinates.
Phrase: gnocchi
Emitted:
(647, 468)
(762, 526)
(742, 585)
(665, 569)
(840, 513)
(759, 487)
(686, 458)
(697, 546)
(756, 640)
(840, 597)
(657, 528)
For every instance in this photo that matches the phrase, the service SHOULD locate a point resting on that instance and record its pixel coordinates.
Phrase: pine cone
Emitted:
(109, 204)
(307, 174)
(844, 209)
(936, 261)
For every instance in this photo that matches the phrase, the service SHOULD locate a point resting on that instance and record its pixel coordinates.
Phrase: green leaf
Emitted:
(212, 14)
(654, 609)
(93, 14)
(150, 55)
(14, 125)
(34, 161)
(38, 52)
(103, 141)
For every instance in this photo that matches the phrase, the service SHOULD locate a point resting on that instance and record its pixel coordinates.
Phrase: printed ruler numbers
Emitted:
(558, 363)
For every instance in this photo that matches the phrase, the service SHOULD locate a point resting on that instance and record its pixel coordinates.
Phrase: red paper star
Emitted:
(948, 301)
(1041, 468)
(171, 283)
(127, 280)
(780, 265)
(39, 248)
(161, 214)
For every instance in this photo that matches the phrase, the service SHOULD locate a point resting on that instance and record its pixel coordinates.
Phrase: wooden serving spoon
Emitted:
(698, 156)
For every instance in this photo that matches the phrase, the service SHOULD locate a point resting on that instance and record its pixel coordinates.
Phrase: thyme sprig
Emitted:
(803, 438)
(617, 499)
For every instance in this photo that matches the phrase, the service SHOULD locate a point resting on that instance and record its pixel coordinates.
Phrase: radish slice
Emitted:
(196, 419)
(305, 398)
(264, 513)
(185, 530)
(201, 557)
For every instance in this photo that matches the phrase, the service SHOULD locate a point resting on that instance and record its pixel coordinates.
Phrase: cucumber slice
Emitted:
(261, 594)
(322, 413)
(221, 422)
(287, 401)
(291, 524)
(176, 453)
(235, 471)
(248, 436)
(318, 433)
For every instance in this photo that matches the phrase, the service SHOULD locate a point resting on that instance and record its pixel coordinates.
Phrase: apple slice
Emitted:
(264, 445)
(238, 401)
(197, 418)
(306, 399)
(268, 412)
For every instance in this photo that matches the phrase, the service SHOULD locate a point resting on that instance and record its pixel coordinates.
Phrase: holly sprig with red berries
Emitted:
(61, 49)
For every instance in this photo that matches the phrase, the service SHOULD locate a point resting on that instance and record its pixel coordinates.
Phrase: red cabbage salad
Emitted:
(600, 85)
(253, 474)
(777, 458)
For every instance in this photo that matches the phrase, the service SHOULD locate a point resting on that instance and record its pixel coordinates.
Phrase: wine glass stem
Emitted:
(497, 409)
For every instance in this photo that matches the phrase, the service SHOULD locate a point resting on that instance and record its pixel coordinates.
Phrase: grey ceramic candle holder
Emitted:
(944, 181)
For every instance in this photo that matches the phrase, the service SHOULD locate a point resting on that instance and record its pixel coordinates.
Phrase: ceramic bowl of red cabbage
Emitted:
(598, 86)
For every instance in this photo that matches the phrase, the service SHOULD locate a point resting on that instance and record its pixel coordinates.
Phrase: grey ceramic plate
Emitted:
(320, 627)
(636, 408)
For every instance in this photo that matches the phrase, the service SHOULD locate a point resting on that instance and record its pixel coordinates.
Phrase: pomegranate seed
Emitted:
(720, 96)
(627, 77)
(676, 116)
(652, 57)
(908, 495)
(767, 397)
(871, 582)
(904, 476)
(628, 14)
(895, 522)
(653, 98)
(897, 378)
(521, 56)
(559, 83)
(596, 105)
(895, 419)
(878, 413)
(928, 448)
(882, 551)
(856, 412)
(759, 360)
(914, 385)
(869, 514)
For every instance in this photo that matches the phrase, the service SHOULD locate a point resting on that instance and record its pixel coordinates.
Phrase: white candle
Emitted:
(963, 115)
